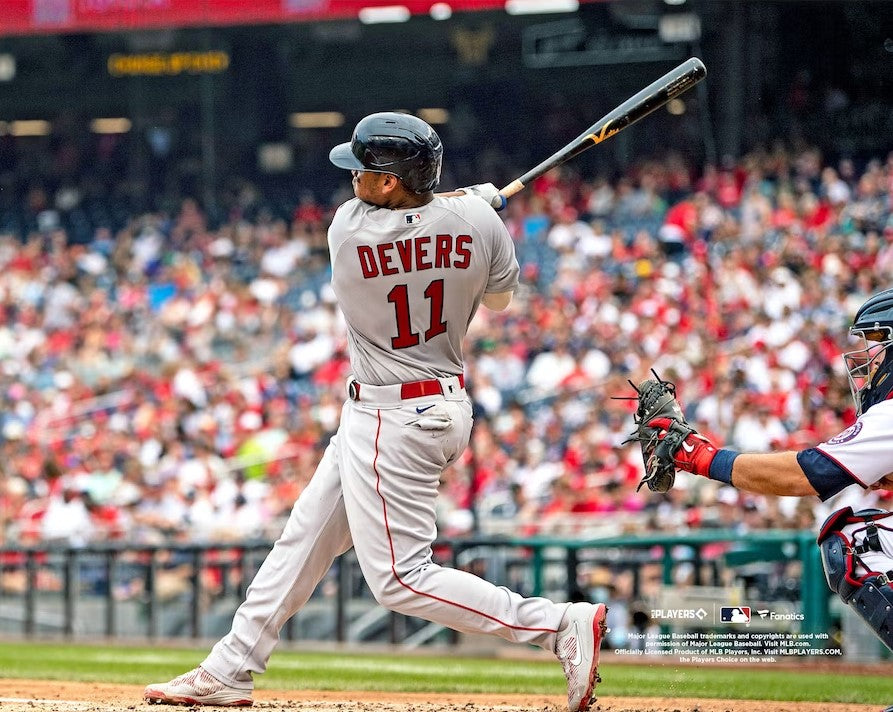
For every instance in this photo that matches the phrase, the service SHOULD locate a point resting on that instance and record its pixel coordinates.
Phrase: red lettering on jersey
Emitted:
(421, 253)
(385, 259)
(442, 250)
(367, 261)
(404, 251)
(462, 243)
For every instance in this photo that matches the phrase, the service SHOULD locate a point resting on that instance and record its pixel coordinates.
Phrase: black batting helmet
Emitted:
(400, 144)
(870, 368)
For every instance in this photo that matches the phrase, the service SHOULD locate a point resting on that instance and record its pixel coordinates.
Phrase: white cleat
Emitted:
(197, 687)
(578, 645)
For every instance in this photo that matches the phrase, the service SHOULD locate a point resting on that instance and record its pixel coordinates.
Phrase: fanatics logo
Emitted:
(413, 218)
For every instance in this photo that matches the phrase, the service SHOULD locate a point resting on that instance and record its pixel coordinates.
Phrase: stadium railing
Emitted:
(191, 590)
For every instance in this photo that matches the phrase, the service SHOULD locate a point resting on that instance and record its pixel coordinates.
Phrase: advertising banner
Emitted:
(53, 16)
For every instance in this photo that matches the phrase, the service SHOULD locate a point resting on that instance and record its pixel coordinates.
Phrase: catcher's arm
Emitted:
(777, 473)
(669, 443)
(772, 473)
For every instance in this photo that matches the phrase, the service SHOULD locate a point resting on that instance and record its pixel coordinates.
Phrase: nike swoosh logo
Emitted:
(687, 447)
(578, 658)
(422, 410)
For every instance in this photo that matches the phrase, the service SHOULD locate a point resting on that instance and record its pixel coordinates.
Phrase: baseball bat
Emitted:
(654, 96)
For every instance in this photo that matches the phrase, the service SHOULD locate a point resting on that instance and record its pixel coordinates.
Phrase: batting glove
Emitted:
(490, 194)
(694, 454)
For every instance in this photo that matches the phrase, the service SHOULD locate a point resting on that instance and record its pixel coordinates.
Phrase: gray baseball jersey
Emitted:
(410, 281)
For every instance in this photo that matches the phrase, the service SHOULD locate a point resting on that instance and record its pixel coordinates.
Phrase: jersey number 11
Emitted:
(399, 297)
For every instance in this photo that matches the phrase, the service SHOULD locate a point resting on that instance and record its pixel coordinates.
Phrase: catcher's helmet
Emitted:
(869, 368)
(400, 144)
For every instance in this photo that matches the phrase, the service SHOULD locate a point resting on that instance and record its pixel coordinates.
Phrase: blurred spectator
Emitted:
(173, 377)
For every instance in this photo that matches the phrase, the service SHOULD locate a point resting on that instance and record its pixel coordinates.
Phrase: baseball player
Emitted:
(409, 270)
(857, 547)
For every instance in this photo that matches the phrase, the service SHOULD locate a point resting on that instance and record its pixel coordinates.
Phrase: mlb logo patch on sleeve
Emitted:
(732, 614)
(413, 218)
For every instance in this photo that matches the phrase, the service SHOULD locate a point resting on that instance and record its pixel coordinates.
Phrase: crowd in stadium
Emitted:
(171, 379)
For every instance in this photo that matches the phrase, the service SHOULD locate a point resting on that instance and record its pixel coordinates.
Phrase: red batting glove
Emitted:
(696, 453)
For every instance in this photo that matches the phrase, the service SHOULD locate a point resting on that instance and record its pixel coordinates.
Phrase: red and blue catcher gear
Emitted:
(695, 454)
(846, 539)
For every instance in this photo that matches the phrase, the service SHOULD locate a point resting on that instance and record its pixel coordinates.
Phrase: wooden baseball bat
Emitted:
(655, 95)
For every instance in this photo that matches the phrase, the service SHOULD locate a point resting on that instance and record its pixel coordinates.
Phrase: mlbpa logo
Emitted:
(413, 218)
(732, 614)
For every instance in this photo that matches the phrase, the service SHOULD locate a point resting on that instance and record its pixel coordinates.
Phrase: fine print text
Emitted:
(728, 647)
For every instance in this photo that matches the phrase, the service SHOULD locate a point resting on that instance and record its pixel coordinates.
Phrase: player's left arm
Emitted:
(777, 473)
(787, 473)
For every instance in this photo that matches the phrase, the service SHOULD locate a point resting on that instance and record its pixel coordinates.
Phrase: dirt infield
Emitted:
(44, 696)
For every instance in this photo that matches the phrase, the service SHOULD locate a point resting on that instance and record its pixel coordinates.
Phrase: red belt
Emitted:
(415, 389)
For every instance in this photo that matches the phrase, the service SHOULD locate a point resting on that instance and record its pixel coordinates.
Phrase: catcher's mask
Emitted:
(869, 369)
(400, 144)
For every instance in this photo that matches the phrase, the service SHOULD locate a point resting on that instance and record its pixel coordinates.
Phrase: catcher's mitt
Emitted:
(657, 399)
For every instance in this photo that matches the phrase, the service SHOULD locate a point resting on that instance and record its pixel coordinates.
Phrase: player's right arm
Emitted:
(498, 301)
(504, 270)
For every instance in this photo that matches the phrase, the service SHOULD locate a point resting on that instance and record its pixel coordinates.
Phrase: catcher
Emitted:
(857, 547)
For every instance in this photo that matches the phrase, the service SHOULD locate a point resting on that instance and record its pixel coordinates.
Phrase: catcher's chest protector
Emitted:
(858, 565)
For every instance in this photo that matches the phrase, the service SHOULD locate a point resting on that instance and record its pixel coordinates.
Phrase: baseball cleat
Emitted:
(197, 687)
(578, 646)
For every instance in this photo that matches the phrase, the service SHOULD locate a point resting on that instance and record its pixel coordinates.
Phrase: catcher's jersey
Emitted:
(865, 449)
(409, 282)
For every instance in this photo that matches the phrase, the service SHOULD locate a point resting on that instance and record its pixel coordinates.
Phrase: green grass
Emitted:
(409, 673)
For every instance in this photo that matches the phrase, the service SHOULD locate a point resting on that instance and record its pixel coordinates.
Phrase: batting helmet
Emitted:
(400, 144)
(869, 368)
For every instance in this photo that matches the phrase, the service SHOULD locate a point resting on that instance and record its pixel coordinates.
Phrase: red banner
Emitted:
(51, 16)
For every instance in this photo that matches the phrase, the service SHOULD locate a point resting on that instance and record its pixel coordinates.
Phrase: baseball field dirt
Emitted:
(46, 696)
